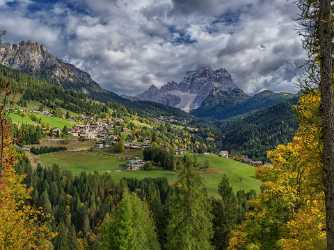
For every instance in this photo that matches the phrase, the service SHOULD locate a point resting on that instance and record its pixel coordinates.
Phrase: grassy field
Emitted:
(18, 119)
(54, 122)
(241, 175)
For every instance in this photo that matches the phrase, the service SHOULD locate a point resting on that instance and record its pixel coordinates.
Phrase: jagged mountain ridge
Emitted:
(34, 59)
(224, 107)
(190, 93)
(208, 93)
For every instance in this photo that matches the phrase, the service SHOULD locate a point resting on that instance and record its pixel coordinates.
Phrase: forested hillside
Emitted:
(258, 132)
(53, 95)
(227, 105)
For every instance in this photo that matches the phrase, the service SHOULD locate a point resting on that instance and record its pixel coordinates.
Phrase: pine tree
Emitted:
(225, 214)
(190, 226)
(45, 202)
(129, 227)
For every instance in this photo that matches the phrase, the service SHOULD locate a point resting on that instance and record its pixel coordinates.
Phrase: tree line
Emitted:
(46, 149)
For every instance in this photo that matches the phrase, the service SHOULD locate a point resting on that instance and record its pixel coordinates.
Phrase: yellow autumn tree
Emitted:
(21, 226)
(289, 213)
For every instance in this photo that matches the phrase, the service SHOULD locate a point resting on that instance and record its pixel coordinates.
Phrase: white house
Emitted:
(223, 153)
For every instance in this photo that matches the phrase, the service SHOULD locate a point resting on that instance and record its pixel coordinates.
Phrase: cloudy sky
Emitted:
(128, 45)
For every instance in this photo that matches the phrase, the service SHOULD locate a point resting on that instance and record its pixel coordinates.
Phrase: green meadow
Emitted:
(51, 121)
(241, 176)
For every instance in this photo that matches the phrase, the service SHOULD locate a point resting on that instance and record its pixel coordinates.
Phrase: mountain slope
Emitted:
(190, 93)
(207, 93)
(226, 105)
(35, 60)
(260, 131)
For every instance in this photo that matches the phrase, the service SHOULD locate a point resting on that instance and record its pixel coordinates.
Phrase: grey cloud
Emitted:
(127, 45)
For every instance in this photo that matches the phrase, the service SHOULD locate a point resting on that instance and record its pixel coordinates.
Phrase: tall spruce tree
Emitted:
(190, 226)
(225, 214)
(129, 227)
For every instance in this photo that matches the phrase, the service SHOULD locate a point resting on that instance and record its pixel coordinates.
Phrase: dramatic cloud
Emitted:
(128, 45)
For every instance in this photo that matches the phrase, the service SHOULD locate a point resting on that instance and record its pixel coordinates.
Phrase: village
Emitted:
(105, 133)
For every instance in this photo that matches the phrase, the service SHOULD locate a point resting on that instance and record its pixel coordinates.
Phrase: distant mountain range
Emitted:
(247, 124)
(191, 92)
(211, 94)
(205, 93)
(34, 59)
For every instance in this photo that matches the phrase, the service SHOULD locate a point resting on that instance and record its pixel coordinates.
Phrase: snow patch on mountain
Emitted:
(186, 100)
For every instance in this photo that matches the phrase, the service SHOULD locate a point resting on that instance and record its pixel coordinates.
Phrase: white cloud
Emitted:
(129, 45)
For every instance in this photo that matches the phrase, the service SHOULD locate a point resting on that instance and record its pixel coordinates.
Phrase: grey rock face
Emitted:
(190, 93)
(34, 58)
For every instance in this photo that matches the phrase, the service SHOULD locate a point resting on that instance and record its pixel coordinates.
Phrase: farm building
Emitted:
(223, 153)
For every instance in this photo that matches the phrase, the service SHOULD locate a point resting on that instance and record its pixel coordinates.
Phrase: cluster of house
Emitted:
(134, 165)
(44, 112)
(180, 151)
(138, 145)
(101, 132)
(246, 159)
(93, 131)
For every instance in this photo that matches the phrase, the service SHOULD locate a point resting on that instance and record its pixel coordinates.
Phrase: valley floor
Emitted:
(241, 176)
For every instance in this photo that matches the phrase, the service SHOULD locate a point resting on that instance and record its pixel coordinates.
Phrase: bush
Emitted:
(45, 150)
(149, 166)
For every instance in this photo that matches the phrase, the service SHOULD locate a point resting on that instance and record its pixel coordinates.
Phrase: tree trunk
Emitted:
(327, 112)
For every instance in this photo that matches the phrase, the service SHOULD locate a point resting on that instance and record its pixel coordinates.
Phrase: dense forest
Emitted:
(87, 210)
(27, 134)
(259, 132)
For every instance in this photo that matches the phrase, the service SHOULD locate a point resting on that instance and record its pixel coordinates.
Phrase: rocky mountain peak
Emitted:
(28, 56)
(34, 58)
(153, 88)
(195, 87)
(169, 86)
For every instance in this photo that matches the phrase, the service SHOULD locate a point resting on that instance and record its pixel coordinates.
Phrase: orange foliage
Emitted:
(21, 226)
(289, 213)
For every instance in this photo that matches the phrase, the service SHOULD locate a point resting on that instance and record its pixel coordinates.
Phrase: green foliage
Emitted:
(79, 204)
(45, 150)
(241, 176)
(76, 204)
(129, 227)
(27, 134)
(256, 133)
(228, 211)
(225, 105)
(119, 147)
(160, 156)
(190, 225)
(50, 94)
(174, 217)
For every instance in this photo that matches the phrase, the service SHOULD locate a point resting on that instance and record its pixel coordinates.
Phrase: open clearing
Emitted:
(241, 176)
(53, 122)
